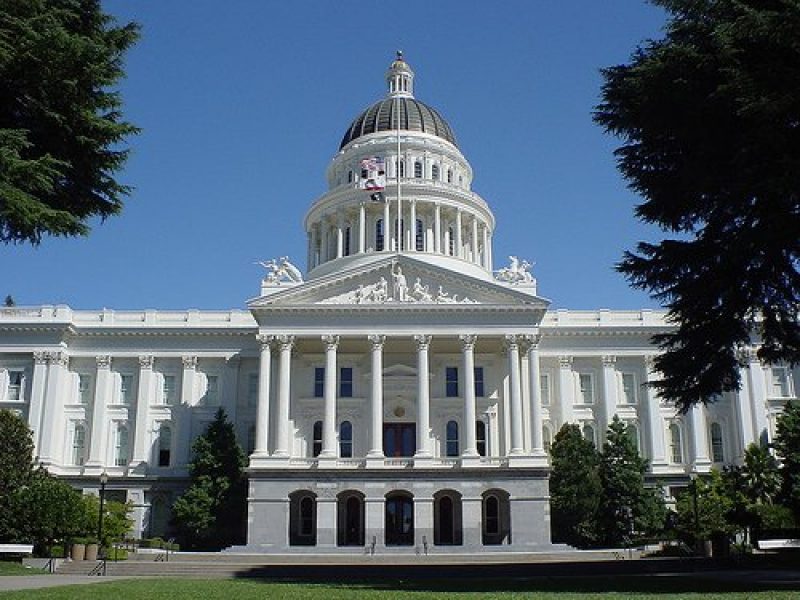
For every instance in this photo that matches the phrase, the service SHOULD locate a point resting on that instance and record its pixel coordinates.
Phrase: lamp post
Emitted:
(697, 541)
(103, 482)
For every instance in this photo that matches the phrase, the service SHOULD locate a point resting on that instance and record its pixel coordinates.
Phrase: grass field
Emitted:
(600, 588)
(12, 568)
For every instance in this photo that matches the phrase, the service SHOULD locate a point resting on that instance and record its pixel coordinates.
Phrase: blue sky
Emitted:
(243, 104)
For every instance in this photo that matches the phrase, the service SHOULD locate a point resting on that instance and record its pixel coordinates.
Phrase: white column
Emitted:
(699, 432)
(655, 422)
(264, 382)
(315, 258)
(517, 444)
(339, 238)
(286, 342)
(458, 234)
(140, 438)
(566, 392)
(412, 227)
(423, 396)
(188, 400)
(490, 252)
(475, 257)
(362, 227)
(486, 264)
(758, 397)
(52, 418)
(38, 387)
(388, 229)
(376, 396)
(329, 392)
(470, 409)
(534, 375)
(437, 229)
(609, 394)
(744, 412)
(102, 391)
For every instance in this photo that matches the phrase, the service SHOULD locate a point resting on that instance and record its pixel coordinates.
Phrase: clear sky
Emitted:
(242, 105)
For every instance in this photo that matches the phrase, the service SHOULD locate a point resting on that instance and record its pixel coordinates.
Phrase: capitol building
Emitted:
(402, 392)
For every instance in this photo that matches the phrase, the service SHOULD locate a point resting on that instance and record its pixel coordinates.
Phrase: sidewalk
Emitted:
(33, 582)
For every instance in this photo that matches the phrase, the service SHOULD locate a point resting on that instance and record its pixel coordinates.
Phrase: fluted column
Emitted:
(264, 383)
(437, 229)
(412, 226)
(517, 442)
(102, 391)
(314, 260)
(758, 397)
(388, 229)
(655, 423)
(475, 258)
(188, 399)
(609, 393)
(362, 227)
(52, 426)
(458, 234)
(376, 396)
(423, 396)
(285, 342)
(537, 441)
(339, 238)
(566, 389)
(470, 409)
(699, 431)
(40, 360)
(140, 438)
(329, 392)
(486, 264)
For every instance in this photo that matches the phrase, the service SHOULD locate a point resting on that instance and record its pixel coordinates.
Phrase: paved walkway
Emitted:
(33, 582)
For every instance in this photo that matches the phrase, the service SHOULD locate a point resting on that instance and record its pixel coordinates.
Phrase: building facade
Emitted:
(401, 396)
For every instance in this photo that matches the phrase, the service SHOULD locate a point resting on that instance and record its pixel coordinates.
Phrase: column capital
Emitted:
(423, 341)
(265, 340)
(59, 359)
(530, 341)
(189, 362)
(747, 355)
(103, 361)
(40, 357)
(376, 340)
(650, 362)
(468, 341)
(146, 361)
(609, 361)
(285, 341)
(511, 341)
(331, 341)
(565, 362)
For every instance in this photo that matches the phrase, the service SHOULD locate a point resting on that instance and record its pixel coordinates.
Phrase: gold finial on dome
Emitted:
(400, 78)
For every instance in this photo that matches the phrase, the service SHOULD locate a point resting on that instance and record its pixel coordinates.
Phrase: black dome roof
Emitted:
(413, 114)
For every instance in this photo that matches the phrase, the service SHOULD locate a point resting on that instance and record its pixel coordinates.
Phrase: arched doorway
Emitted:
(399, 519)
(302, 518)
(496, 522)
(350, 519)
(447, 519)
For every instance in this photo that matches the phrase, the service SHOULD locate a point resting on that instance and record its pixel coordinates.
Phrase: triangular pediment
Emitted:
(399, 281)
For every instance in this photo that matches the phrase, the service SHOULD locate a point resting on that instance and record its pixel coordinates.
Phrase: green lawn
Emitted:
(601, 588)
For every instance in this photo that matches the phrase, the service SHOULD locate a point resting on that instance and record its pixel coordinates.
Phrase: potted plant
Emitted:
(78, 549)
(91, 549)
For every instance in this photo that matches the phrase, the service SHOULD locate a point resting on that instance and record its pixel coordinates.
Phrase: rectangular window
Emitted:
(780, 382)
(252, 389)
(15, 379)
(121, 448)
(84, 388)
(628, 388)
(544, 386)
(587, 388)
(319, 382)
(212, 390)
(346, 382)
(79, 444)
(451, 382)
(479, 388)
(125, 389)
(169, 391)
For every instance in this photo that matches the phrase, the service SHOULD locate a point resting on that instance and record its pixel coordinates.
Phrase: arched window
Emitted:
(317, 434)
(418, 170)
(346, 439)
(449, 175)
(419, 238)
(79, 444)
(306, 516)
(675, 444)
(302, 518)
(588, 434)
(164, 445)
(399, 525)
(491, 508)
(347, 241)
(717, 450)
(451, 438)
(435, 172)
(480, 437)
(121, 446)
(379, 235)
(496, 526)
(451, 241)
(447, 518)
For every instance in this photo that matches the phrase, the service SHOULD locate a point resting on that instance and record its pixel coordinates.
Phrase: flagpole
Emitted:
(399, 194)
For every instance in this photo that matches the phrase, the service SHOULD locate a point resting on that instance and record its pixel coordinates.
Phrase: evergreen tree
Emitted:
(708, 117)
(626, 506)
(709, 516)
(574, 488)
(60, 121)
(787, 443)
(16, 470)
(9, 301)
(761, 475)
(210, 515)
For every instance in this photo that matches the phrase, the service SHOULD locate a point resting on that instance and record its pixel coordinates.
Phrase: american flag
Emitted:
(373, 174)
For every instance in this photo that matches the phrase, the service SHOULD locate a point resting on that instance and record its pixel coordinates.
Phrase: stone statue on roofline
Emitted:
(280, 270)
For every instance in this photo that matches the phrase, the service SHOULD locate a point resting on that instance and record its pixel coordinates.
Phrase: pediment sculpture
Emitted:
(399, 292)
(279, 270)
(517, 272)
